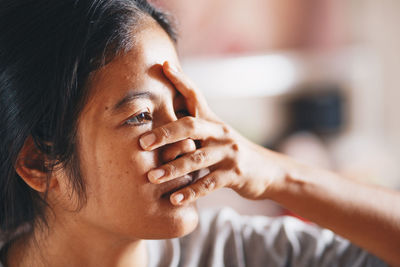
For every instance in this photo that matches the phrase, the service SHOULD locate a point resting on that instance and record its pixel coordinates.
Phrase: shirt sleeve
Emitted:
(225, 238)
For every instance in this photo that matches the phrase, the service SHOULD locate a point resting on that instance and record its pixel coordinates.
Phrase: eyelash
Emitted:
(140, 119)
(148, 117)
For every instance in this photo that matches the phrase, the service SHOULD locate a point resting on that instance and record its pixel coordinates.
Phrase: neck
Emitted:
(69, 245)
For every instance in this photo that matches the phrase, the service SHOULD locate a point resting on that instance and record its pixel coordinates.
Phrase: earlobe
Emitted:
(31, 168)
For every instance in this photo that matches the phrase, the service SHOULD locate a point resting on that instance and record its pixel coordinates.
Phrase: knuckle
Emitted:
(209, 183)
(235, 147)
(190, 122)
(201, 188)
(192, 193)
(226, 132)
(164, 133)
(225, 129)
(233, 151)
(235, 164)
(198, 156)
(170, 169)
(238, 170)
(235, 167)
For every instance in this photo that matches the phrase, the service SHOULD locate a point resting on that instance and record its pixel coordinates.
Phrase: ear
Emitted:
(31, 167)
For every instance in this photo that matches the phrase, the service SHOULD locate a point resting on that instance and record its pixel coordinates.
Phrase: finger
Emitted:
(182, 83)
(172, 151)
(199, 159)
(195, 100)
(183, 128)
(201, 187)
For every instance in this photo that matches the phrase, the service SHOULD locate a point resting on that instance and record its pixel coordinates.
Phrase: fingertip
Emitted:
(154, 176)
(165, 68)
(165, 65)
(177, 198)
(170, 68)
(147, 140)
(193, 144)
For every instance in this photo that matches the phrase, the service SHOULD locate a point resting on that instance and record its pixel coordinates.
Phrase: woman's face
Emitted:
(129, 97)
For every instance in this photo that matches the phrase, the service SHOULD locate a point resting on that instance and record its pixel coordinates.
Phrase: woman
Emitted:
(98, 154)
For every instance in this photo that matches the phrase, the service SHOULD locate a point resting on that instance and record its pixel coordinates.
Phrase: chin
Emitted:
(186, 222)
(177, 222)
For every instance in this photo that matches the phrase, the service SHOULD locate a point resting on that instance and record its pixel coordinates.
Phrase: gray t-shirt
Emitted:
(224, 238)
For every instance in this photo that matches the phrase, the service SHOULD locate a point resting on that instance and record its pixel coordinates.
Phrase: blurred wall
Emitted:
(376, 24)
(354, 43)
(236, 26)
(220, 27)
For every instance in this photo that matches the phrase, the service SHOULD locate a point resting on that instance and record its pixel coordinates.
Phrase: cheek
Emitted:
(140, 162)
(114, 166)
(116, 179)
(123, 166)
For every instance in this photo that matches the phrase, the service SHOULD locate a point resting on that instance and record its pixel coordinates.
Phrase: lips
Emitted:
(172, 186)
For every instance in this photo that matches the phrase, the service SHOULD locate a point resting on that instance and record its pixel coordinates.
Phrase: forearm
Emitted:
(368, 216)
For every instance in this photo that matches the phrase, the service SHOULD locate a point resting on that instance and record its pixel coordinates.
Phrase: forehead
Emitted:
(138, 68)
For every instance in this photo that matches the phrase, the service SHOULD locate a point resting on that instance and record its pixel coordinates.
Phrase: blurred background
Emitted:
(315, 79)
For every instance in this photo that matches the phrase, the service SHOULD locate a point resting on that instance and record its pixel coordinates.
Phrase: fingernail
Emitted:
(177, 198)
(147, 140)
(154, 175)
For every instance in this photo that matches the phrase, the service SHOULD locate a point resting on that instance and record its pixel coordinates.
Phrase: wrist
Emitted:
(289, 179)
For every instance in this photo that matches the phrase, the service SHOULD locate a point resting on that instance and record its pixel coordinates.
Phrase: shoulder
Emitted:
(225, 238)
(230, 239)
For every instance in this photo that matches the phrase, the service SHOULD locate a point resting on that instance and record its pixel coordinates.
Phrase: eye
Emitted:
(140, 119)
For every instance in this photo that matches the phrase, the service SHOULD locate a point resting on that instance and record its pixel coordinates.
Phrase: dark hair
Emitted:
(48, 48)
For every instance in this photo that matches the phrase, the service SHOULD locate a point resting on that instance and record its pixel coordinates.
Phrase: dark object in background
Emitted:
(320, 110)
(317, 108)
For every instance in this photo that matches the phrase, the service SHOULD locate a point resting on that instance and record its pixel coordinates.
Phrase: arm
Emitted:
(368, 216)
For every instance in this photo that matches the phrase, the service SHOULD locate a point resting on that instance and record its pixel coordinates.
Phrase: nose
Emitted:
(164, 115)
(172, 151)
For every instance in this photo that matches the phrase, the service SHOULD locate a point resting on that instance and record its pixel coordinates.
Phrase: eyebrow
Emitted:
(129, 97)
